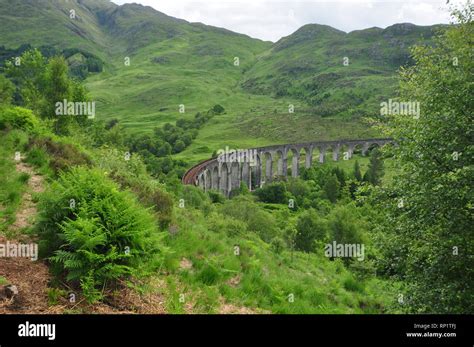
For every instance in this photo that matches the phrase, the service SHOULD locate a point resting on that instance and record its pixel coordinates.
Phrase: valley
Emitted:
(112, 119)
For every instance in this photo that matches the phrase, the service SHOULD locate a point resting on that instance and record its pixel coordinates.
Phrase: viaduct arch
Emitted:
(257, 166)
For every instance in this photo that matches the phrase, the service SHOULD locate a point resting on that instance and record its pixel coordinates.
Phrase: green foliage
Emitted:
(82, 63)
(224, 224)
(300, 189)
(243, 188)
(208, 275)
(278, 245)
(62, 156)
(340, 175)
(42, 83)
(57, 85)
(38, 157)
(357, 174)
(54, 296)
(331, 179)
(24, 177)
(12, 184)
(273, 193)
(178, 146)
(6, 90)
(258, 277)
(218, 109)
(19, 118)
(435, 156)
(216, 196)
(345, 225)
(310, 228)
(332, 188)
(89, 239)
(375, 171)
(194, 197)
(93, 233)
(132, 174)
(351, 284)
(157, 148)
(28, 73)
(162, 202)
(257, 220)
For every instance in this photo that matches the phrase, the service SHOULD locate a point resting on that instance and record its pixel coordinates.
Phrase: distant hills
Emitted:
(337, 72)
(175, 62)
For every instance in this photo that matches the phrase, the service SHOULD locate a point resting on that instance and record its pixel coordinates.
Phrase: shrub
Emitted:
(345, 225)
(195, 197)
(37, 157)
(278, 245)
(299, 189)
(351, 284)
(132, 174)
(273, 193)
(179, 146)
(63, 156)
(162, 203)
(257, 220)
(216, 196)
(7, 89)
(100, 236)
(18, 117)
(218, 109)
(229, 225)
(332, 188)
(16, 139)
(375, 170)
(310, 228)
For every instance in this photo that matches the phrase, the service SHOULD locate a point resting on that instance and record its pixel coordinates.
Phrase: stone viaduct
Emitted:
(256, 166)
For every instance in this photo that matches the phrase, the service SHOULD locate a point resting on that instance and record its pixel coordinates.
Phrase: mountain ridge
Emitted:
(174, 62)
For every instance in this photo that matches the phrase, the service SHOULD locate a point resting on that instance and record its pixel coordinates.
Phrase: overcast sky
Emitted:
(273, 19)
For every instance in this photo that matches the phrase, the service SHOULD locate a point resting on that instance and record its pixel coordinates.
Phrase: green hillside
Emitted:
(152, 63)
(48, 22)
(337, 73)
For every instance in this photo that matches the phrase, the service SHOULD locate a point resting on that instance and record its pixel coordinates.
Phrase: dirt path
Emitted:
(27, 209)
(30, 277)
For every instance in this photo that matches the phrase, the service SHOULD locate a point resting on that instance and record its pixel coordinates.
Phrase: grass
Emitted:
(279, 283)
(256, 278)
(12, 184)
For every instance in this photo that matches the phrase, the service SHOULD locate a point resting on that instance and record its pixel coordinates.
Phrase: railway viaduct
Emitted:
(257, 166)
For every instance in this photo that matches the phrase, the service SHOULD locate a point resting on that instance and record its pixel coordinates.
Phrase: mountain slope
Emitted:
(338, 73)
(172, 62)
(49, 22)
(153, 63)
